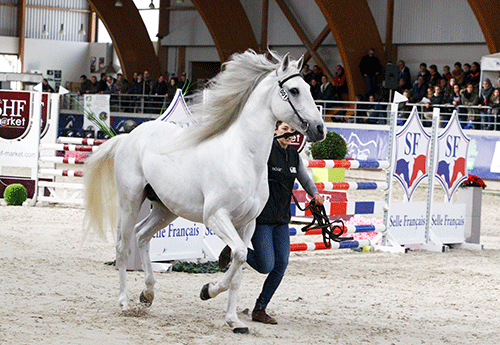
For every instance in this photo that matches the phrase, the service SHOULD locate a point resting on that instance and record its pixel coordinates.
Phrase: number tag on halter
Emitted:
(283, 94)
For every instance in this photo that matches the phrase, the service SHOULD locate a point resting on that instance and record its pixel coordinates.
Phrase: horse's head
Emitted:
(292, 101)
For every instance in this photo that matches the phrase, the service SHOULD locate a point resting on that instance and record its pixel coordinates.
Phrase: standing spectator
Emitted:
(484, 100)
(374, 112)
(315, 89)
(404, 73)
(317, 74)
(424, 72)
(360, 110)
(159, 93)
(467, 74)
(446, 73)
(437, 98)
(383, 94)
(458, 74)
(306, 73)
(418, 91)
(339, 83)
(171, 89)
(326, 89)
(184, 84)
(475, 74)
(110, 85)
(401, 86)
(495, 106)
(148, 83)
(435, 76)
(137, 89)
(370, 68)
(445, 86)
(470, 97)
(46, 86)
(121, 88)
(84, 85)
(102, 83)
(94, 87)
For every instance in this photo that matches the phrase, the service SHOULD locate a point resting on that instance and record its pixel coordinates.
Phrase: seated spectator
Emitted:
(339, 83)
(374, 112)
(470, 97)
(306, 73)
(359, 110)
(404, 109)
(445, 86)
(475, 74)
(404, 74)
(430, 92)
(484, 100)
(315, 90)
(494, 103)
(401, 86)
(424, 72)
(317, 74)
(419, 90)
(454, 100)
(458, 73)
(435, 76)
(437, 98)
(85, 85)
(46, 86)
(326, 89)
(446, 73)
(467, 74)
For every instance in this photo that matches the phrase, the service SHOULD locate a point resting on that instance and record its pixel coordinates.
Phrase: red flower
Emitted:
(473, 181)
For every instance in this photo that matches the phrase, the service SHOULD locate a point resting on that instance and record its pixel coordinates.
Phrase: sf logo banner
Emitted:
(412, 149)
(452, 154)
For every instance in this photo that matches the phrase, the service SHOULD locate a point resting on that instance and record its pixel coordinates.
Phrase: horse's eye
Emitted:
(294, 91)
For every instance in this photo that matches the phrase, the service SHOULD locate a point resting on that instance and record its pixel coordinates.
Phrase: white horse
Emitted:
(214, 172)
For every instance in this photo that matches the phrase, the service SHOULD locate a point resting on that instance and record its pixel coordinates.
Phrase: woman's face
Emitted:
(456, 88)
(496, 92)
(282, 129)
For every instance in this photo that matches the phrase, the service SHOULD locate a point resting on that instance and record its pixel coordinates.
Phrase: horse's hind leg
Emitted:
(158, 218)
(125, 229)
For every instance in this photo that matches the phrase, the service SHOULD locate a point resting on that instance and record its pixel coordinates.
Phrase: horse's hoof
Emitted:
(146, 301)
(204, 295)
(241, 330)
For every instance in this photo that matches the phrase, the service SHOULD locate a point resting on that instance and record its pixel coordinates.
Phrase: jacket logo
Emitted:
(276, 169)
(293, 170)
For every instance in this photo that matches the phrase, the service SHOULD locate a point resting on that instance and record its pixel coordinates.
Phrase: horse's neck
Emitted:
(254, 128)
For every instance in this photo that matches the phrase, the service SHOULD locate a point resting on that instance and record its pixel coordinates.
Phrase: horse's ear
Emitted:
(300, 63)
(285, 62)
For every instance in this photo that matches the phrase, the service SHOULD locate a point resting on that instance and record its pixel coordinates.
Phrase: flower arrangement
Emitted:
(473, 181)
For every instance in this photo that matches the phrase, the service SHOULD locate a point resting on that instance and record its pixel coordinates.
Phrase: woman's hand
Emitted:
(318, 199)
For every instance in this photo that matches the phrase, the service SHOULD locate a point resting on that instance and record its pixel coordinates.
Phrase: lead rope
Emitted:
(330, 230)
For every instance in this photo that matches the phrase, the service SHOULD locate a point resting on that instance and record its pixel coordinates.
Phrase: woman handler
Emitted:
(271, 239)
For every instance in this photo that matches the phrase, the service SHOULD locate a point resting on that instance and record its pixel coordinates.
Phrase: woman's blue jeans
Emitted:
(271, 250)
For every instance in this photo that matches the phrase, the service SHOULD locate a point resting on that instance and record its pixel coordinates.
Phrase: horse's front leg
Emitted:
(221, 224)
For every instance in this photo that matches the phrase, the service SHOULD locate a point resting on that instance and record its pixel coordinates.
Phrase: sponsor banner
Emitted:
(483, 156)
(448, 222)
(99, 105)
(365, 144)
(19, 126)
(407, 222)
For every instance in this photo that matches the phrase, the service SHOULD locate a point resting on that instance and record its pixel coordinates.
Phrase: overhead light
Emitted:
(61, 32)
(44, 31)
(81, 31)
(118, 3)
(151, 5)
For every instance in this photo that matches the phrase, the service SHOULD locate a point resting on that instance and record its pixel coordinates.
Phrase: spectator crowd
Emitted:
(141, 93)
(458, 88)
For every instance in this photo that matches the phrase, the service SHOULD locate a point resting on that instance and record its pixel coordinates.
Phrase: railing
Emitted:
(376, 113)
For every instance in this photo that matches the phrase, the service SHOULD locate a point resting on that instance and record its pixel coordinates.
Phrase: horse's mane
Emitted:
(217, 106)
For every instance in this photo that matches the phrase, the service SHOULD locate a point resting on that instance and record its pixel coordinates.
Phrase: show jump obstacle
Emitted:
(413, 155)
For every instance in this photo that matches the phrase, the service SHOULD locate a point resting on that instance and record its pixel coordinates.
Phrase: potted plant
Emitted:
(334, 147)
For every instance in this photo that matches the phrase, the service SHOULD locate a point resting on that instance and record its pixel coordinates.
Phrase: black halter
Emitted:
(286, 98)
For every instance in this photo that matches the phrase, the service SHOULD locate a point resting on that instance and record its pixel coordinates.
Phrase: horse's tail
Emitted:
(100, 196)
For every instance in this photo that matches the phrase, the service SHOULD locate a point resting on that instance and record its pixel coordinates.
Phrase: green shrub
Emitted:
(333, 147)
(15, 194)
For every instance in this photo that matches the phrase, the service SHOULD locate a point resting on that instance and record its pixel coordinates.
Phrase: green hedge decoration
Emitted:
(333, 147)
(15, 194)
